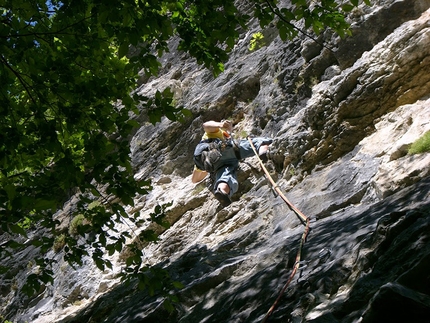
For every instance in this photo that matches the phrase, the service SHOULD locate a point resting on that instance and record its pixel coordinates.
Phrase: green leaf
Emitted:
(141, 285)
(111, 249)
(149, 235)
(100, 264)
(102, 239)
(10, 191)
(187, 112)
(37, 243)
(283, 32)
(287, 14)
(167, 304)
(123, 50)
(15, 228)
(45, 205)
(347, 7)
(108, 264)
(178, 285)
(118, 246)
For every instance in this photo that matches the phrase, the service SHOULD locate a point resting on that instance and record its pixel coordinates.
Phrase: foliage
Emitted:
(66, 101)
(257, 41)
(59, 243)
(76, 222)
(420, 146)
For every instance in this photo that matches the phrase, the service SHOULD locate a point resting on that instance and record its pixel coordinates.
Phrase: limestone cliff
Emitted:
(342, 116)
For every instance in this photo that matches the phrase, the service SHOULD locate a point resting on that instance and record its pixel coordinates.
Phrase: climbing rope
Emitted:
(303, 218)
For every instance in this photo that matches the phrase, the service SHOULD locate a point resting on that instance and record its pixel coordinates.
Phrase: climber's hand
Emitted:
(227, 125)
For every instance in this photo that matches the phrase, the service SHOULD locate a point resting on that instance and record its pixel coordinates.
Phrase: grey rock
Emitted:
(342, 119)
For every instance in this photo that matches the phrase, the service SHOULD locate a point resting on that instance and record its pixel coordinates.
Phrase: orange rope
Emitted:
(305, 220)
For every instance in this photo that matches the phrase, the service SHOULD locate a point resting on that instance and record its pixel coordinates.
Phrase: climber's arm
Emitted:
(214, 126)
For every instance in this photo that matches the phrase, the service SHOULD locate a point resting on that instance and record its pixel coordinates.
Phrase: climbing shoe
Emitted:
(222, 197)
(265, 156)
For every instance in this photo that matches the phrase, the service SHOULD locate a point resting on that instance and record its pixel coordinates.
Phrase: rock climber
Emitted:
(222, 163)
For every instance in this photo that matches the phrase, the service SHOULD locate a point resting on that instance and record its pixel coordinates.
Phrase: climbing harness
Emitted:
(303, 218)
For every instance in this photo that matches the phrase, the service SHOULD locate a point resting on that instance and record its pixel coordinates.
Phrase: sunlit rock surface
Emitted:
(343, 119)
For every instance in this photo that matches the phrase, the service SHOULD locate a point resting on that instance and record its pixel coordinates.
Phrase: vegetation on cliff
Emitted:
(67, 103)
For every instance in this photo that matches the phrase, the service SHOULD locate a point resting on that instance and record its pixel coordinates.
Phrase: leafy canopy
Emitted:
(66, 99)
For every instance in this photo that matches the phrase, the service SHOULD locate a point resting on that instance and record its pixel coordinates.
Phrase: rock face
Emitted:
(343, 119)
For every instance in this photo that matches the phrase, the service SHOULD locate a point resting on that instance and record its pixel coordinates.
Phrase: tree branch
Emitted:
(18, 76)
(276, 12)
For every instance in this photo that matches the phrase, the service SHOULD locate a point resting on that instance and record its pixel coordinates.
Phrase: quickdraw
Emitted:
(303, 218)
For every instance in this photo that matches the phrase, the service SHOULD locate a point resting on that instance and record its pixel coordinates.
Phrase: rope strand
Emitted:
(303, 218)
